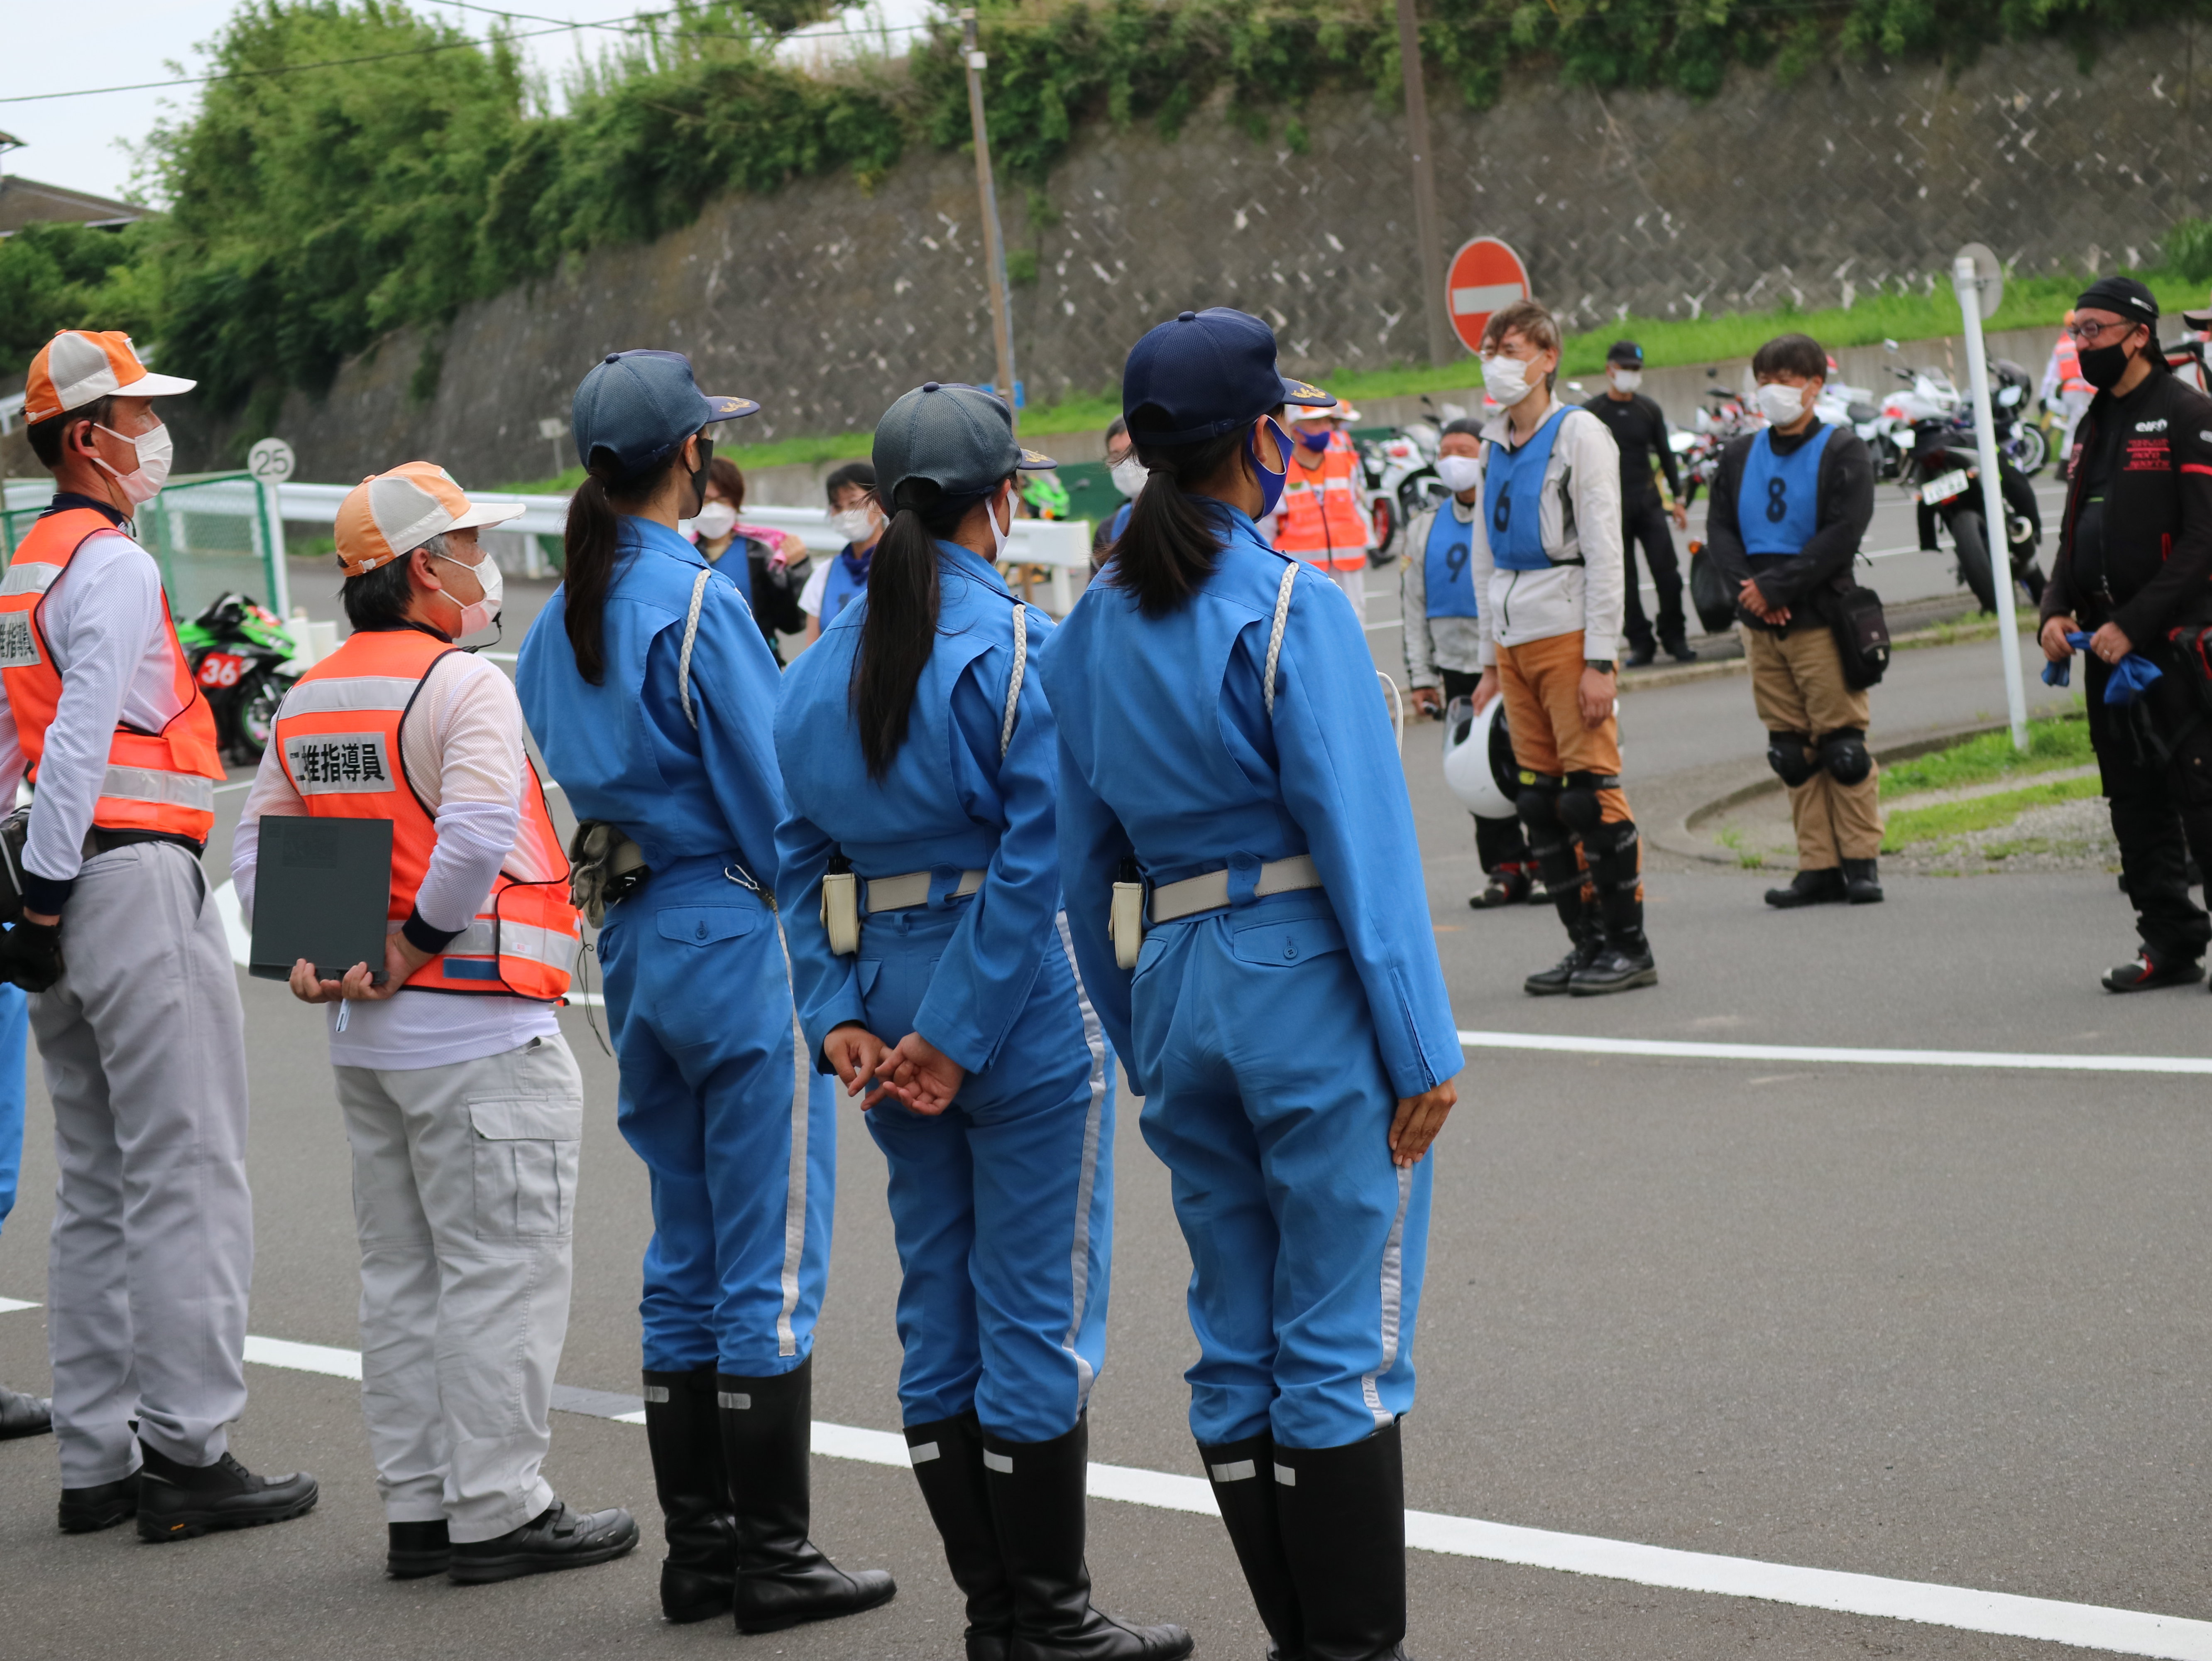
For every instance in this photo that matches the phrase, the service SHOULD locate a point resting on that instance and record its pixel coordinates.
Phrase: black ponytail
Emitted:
(899, 629)
(1168, 548)
(590, 546)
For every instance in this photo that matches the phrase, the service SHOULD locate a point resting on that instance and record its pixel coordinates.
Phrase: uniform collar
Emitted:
(66, 500)
(651, 533)
(973, 565)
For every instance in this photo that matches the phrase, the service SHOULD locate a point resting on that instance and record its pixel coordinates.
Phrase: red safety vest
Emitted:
(161, 782)
(337, 734)
(1322, 519)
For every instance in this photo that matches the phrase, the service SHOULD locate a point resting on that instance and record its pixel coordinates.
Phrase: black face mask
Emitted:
(2103, 366)
(699, 478)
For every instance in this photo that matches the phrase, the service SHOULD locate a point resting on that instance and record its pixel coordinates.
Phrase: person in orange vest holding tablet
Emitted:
(152, 1252)
(1323, 519)
(464, 1111)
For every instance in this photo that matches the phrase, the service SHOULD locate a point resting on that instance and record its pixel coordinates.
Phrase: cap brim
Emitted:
(1032, 460)
(489, 513)
(731, 409)
(156, 385)
(2197, 320)
(1305, 393)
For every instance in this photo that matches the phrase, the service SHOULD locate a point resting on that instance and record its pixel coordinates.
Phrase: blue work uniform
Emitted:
(845, 583)
(1003, 1205)
(736, 1131)
(14, 1038)
(1272, 1038)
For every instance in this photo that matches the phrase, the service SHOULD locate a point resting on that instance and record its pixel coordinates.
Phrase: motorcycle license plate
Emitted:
(1946, 486)
(219, 669)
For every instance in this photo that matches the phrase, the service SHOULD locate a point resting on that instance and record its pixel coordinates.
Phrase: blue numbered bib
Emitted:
(1447, 563)
(1777, 503)
(1513, 497)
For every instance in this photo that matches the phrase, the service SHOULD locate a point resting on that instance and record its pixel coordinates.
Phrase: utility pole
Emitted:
(994, 244)
(1428, 243)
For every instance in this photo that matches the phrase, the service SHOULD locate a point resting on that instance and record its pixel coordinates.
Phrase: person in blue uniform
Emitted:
(1226, 762)
(651, 694)
(921, 762)
(20, 1415)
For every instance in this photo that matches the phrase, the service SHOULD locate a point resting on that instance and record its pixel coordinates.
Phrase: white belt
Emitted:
(904, 893)
(1210, 892)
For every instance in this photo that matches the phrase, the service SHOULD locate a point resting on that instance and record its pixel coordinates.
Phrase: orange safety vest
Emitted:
(337, 734)
(160, 781)
(2069, 367)
(1323, 520)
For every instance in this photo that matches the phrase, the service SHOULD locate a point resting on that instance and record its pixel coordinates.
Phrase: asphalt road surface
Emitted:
(1945, 1325)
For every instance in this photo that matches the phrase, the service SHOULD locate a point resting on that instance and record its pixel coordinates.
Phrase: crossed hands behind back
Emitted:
(914, 1073)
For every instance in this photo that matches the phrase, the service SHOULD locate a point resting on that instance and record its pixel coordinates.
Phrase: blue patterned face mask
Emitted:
(1271, 480)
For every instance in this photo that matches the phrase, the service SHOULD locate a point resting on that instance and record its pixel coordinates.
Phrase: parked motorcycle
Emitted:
(241, 655)
(1944, 476)
(1401, 478)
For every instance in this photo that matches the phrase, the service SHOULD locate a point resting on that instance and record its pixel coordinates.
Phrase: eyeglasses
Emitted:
(2087, 334)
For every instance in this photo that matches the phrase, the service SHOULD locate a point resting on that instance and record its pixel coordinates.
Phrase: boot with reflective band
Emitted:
(947, 1454)
(1243, 1478)
(684, 1430)
(1342, 1513)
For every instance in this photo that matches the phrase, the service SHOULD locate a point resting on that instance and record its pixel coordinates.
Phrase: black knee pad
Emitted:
(1579, 808)
(1537, 806)
(1844, 754)
(1790, 756)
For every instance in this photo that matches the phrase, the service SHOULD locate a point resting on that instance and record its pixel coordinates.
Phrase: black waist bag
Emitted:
(1709, 592)
(15, 829)
(1861, 637)
(2192, 645)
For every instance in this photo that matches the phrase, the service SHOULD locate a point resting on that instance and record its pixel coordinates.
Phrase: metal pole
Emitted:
(1966, 280)
(272, 532)
(994, 244)
(1428, 242)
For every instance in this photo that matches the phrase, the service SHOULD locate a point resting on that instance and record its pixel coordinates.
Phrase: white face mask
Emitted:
(1458, 472)
(1001, 535)
(1627, 380)
(1506, 379)
(145, 482)
(1129, 476)
(716, 521)
(855, 525)
(479, 615)
(1782, 405)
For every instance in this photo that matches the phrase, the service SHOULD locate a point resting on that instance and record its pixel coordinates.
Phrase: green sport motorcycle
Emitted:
(241, 657)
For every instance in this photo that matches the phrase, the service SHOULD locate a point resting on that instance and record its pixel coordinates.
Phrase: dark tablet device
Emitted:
(322, 891)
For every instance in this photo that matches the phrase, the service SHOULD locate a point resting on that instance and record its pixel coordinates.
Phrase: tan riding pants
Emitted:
(1797, 684)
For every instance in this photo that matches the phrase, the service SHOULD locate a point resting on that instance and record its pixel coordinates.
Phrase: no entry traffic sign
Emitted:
(1485, 276)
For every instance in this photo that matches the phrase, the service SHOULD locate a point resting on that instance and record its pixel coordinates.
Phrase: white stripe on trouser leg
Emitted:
(794, 1203)
(1078, 1263)
(1393, 1292)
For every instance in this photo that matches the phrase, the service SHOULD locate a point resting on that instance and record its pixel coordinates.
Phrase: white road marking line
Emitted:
(1984, 1059)
(2089, 1626)
(10, 1303)
(236, 784)
(234, 924)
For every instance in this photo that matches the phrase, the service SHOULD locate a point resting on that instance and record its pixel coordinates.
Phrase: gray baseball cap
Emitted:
(960, 438)
(640, 405)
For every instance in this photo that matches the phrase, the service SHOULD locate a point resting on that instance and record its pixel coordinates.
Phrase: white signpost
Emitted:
(1979, 281)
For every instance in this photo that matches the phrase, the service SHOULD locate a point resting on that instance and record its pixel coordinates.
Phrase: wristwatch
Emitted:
(1603, 666)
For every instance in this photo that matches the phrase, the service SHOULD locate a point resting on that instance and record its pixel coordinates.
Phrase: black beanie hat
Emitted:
(2123, 295)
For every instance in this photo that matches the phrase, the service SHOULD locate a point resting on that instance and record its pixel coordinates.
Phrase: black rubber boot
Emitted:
(1863, 882)
(948, 1463)
(1243, 1478)
(1616, 869)
(24, 1415)
(684, 1430)
(1037, 1491)
(1342, 1511)
(88, 1511)
(412, 1550)
(1822, 887)
(2152, 969)
(177, 1502)
(556, 1539)
(768, 1430)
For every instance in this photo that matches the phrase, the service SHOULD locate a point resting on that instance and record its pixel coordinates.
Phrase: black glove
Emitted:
(30, 955)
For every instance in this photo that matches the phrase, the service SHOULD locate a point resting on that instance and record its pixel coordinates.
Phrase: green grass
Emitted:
(1957, 818)
(1749, 858)
(2053, 743)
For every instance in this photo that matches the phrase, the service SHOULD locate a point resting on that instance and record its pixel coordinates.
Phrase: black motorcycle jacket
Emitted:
(1807, 582)
(2152, 569)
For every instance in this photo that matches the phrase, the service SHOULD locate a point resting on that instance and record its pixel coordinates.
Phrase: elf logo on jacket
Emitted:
(2157, 426)
(326, 764)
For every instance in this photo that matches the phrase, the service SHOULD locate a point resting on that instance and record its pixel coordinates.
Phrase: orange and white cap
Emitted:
(388, 515)
(1344, 412)
(79, 367)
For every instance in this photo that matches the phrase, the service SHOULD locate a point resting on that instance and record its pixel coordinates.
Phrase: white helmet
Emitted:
(1479, 758)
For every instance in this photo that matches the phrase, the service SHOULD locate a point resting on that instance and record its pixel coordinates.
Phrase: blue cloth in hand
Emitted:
(2131, 676)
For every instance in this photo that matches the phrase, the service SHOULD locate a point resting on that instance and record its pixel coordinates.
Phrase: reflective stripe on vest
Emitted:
(1447, 565)
(1513, 498)
(1777, 502)
(160, 781)
(338, 736)
(1323, 520)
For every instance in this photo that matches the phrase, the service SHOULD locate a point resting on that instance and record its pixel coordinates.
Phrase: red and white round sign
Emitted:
(1483, 276)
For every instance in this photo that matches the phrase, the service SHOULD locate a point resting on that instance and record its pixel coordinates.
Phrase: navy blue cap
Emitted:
(1624, 352)
(1205, 374)
(960, 438)
(640, 405)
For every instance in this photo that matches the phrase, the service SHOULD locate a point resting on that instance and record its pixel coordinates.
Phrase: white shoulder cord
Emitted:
(684, 660)
(1014, 684)
(1275, 639)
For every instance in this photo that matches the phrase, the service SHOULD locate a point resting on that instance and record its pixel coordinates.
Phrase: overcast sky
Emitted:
(61, 45)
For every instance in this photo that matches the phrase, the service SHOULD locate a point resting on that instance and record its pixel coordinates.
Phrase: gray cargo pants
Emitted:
(151, 1258)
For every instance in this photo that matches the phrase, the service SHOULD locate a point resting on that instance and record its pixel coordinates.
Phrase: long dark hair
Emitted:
(1168, 546)
(899, 629)
(591, 543)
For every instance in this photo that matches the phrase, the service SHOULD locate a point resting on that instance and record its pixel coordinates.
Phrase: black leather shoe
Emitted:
(416, 1549)
(1553, 982)
(1861, 882)
(1812, 888)
(1681, 650)
(177, 1502)
(2149, 971)
(1638, 656)
(24, 1415)
(1615, 969)
(556, 1538)
(88, 1511)
(1509, 885)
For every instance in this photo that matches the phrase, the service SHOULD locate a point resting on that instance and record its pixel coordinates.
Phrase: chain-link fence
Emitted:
(211, 536)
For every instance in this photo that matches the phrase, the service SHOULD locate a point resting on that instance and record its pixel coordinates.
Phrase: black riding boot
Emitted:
(1562, 879)
(1342, 1511)
(1616, 875)
(768, 1428)
(1037, 1491)
(683, 1432)
(1243, 1478)
(948, 1463)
